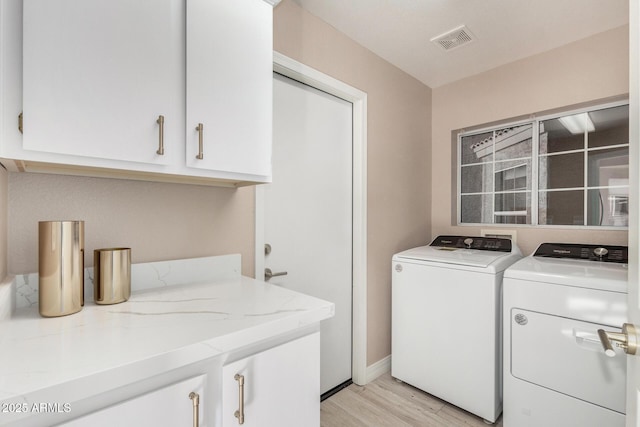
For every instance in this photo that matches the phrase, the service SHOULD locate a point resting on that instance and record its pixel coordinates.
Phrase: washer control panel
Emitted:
(468, 242)
(603, 253)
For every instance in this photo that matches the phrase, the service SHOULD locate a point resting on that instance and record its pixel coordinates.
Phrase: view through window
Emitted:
(567, 170)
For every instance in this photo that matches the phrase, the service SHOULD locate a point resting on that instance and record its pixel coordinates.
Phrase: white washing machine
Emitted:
(446, 320)
(556, 372)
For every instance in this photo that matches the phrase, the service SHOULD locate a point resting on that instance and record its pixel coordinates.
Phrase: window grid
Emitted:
(585, 178)
(493, 165)
(535, 158)
(534, 192)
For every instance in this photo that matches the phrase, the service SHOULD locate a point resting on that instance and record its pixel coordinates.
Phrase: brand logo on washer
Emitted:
(521, 319)
(398, 268)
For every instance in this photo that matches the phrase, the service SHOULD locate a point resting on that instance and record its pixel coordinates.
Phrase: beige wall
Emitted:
(158, 221)
(399, 129)
(590, 69)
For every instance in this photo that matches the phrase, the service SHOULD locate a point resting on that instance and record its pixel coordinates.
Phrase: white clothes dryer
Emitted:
(446, 320)
(556, 372)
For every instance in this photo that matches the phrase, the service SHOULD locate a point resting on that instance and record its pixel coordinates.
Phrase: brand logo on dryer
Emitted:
(521, 319)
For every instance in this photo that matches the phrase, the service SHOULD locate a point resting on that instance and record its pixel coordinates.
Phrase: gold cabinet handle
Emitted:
(195, 397)
(160, 122)
(20, 123)
(239, 414)
(200, 129)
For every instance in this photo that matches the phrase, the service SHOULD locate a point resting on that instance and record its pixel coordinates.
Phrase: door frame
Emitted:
(633, 364)
(314, 78)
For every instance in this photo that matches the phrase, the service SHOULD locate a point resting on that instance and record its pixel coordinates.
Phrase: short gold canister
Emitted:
(60, 267)
(112, 275)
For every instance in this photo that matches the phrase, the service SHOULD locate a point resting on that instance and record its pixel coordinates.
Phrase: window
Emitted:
(565, 170)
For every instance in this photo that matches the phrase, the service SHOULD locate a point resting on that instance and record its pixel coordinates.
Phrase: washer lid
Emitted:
(571, 272)
(490, 260)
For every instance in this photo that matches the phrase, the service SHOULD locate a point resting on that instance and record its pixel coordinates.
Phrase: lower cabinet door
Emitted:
(175, 405)
(279, 387)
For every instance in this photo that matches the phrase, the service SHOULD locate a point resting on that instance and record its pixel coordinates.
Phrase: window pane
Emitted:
(561, 171)
(512, 202)
(514, 142)
(555, 137)
(611, 126)
(512, 220)
(608, 167)
(608, 206)
(477, 148)
(476, 209)
(561, 207)
(514, 175)
(513, 208)
(504, 219)
(476, 179)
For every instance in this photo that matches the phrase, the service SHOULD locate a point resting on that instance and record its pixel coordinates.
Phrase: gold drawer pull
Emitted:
(239, 414)
(200, 130)
(195, 397)
(160, 121)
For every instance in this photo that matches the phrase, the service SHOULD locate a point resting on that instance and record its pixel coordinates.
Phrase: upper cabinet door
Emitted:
(229, 88)
(99, 73)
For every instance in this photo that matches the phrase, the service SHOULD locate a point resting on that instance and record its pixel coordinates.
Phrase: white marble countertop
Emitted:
(155, 331)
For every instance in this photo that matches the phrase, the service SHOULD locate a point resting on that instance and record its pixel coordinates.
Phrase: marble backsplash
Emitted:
(24, 287)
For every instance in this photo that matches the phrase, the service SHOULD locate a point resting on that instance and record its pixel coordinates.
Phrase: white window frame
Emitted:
(534, 191)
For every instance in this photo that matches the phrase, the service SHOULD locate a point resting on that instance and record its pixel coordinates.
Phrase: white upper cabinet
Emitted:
(233, 103)
(98, 75)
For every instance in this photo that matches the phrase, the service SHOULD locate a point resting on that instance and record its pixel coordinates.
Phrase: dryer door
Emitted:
(565, 355)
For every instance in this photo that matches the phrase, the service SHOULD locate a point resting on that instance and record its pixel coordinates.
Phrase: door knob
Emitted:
(627, 340)
(268, 274)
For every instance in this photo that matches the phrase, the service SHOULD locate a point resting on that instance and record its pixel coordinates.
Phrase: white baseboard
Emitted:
(382, 366)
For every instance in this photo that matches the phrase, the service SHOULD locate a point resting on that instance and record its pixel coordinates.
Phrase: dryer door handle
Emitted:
(627, 340)
(589, 337)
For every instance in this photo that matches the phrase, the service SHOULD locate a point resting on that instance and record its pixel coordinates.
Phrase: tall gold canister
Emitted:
(60, 267)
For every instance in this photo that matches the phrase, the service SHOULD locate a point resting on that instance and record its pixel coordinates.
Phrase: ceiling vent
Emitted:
(455, 38)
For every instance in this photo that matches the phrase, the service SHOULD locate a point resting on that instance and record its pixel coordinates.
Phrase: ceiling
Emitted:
(504, 30)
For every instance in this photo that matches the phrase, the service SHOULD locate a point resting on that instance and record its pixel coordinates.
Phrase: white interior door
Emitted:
(633, 362)
(308, 211)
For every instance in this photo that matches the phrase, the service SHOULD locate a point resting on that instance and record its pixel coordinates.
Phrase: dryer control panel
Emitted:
(603, 253)
(468, 242)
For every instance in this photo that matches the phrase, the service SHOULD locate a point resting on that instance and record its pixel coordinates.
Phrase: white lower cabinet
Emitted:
(180, 404)
(278, 387)
(262, 385)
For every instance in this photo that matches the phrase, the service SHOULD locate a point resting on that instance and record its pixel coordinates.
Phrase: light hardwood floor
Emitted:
(387, 402)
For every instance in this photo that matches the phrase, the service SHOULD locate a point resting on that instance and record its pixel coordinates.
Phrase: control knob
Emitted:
(600, 252)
